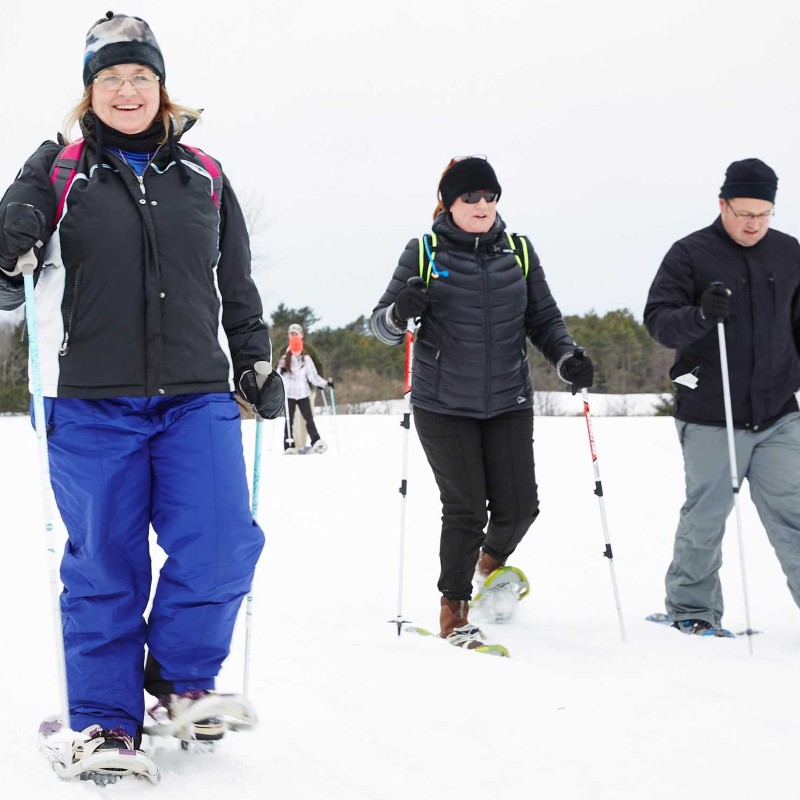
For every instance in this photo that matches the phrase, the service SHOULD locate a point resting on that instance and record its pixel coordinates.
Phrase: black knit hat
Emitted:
(750, 178)
(467, 175)
(119, 39)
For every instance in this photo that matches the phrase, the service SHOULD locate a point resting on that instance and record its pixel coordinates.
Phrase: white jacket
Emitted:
(301, 374)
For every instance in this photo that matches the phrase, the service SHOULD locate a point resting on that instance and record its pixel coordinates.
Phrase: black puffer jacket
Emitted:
(469, 355)
(761, 335)
(134, 281)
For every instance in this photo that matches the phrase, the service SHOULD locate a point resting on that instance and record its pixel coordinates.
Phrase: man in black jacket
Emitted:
(742, 273)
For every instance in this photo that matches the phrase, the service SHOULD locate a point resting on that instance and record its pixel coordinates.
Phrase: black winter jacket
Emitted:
(762, 333)
(134, 279)
(470, 354)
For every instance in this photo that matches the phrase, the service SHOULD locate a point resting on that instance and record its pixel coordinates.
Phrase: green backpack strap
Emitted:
(518, 243)
(427, 255)
(427, 258)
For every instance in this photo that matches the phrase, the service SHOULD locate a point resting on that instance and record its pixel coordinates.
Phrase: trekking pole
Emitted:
(726, 392)
(333, 415)
(27, 265)
(406, 425)
(598, 490)
(289, 437)
(262, 370)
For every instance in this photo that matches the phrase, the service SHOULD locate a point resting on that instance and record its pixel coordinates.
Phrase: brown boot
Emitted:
(487, 564)
(454, 625)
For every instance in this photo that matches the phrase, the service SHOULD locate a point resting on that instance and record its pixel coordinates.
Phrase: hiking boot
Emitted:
(486, 565)
(319, 447)
(454, 625)
(174, 706)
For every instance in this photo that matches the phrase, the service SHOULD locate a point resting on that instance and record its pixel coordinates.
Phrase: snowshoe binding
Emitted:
(463, 637)
(696, 627)
(200, 718)
(95, 754)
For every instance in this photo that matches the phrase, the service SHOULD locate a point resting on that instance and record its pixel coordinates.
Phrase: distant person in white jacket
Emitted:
(298, 372)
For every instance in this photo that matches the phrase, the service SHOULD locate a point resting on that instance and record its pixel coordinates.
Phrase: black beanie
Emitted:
(750, 178)
(467, 175)
(119, 39)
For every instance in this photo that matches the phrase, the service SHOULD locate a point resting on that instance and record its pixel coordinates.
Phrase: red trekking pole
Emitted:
(598, 490)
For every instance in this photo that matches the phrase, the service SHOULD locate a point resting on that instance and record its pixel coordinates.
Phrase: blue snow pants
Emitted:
(117, 467)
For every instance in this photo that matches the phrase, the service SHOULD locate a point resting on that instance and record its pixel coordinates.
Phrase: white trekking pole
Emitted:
(406, 424)
(726, 391)
(598, 490)
(27, 265)
(262, 370)
(333, 414)
(289, 437)
(331, 410)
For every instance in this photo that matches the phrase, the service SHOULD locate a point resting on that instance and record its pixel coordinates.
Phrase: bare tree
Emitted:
(255, 218)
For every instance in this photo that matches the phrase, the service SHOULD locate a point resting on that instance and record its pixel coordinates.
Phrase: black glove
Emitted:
(577, 370)
(330, 383)
(268, 401)
(23, 227)
(411, 301)
(715, 303)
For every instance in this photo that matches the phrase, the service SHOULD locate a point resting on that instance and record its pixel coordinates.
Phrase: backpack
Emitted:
(65, 167)
(427, 255)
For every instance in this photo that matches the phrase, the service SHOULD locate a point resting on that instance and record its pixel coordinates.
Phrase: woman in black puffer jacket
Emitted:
(483, 293)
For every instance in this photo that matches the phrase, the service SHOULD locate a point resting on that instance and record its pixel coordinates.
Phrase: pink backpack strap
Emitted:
(63, 173)
(212, 168)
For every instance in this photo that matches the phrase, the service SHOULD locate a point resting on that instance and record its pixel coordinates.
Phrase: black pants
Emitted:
(308, 415)
(480, 465)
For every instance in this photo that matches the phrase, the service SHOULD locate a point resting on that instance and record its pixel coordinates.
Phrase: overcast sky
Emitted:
(610, 124)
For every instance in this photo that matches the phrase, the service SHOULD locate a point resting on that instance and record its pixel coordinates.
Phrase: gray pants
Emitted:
(770, 460)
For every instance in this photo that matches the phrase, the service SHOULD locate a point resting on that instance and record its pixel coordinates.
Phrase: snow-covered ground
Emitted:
(350, 710)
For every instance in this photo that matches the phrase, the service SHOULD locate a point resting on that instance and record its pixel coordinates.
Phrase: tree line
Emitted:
(627, 360)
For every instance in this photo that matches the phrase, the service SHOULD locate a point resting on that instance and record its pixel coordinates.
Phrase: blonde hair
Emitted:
(168, 111)
(440, 205)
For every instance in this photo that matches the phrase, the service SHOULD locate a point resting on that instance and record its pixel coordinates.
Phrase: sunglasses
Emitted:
(476, 197)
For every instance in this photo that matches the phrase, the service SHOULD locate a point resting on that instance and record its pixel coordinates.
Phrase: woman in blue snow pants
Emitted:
(148, 321)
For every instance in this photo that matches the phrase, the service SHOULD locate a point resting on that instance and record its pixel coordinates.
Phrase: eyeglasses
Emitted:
(112, 83)
(464, 158)
(747, 215)
(476, 197)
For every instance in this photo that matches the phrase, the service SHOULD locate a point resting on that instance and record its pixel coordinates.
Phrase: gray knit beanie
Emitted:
(119, 39)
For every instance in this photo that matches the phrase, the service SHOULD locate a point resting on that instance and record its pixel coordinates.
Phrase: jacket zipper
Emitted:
(486, 326)
(64, 349)
(140, 178)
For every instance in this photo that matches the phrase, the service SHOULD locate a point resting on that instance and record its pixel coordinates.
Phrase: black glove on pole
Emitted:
(262, 388)
(715, 302)
(411, 300)
(22, 228)
(577, 370)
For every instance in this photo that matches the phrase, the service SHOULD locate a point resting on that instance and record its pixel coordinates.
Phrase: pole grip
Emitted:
(26, 263)
(262, 370)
